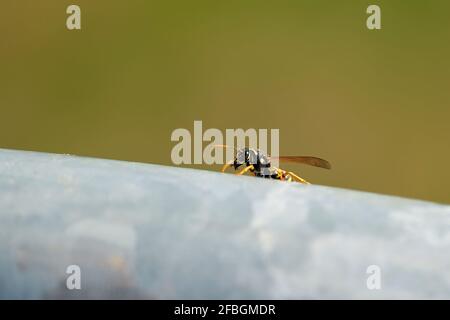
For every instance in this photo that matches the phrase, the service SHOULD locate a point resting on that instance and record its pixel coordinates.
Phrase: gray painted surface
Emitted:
(148, 231)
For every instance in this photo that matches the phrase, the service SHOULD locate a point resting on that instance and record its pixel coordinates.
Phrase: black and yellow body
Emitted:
(258, 164)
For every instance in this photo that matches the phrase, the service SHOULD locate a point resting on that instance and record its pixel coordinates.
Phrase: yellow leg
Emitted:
(227, 165)
(280, 173)
(296, 177)
(250, 167)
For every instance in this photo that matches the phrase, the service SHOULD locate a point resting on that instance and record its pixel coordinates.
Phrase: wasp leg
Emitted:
(296, 177)
(280, 173)
(227, 165)
(250, 167)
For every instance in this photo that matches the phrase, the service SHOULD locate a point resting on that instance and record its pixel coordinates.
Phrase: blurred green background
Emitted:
(376, 104)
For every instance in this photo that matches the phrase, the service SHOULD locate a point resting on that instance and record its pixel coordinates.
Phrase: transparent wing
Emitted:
(312, 161)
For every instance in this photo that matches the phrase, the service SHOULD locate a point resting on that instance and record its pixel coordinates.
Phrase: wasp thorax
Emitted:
(250, 156)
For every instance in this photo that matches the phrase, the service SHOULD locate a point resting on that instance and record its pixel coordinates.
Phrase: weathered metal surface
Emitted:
(147, 231)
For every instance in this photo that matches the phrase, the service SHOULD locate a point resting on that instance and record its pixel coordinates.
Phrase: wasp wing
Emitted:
(312, 161)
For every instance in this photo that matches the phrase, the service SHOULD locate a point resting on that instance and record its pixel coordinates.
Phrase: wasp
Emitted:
(257, 163)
